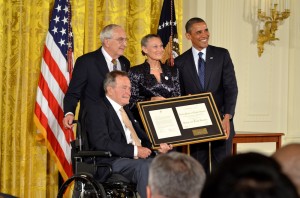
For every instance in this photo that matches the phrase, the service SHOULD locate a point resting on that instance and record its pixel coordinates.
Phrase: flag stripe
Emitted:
(59, 58)
(51, 107)
(53, 132)
(54, 155)
(45, 114)
(52, 84)
(51, 135)
(55, 71)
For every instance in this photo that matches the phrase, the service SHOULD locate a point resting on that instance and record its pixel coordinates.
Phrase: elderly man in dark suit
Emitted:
(206, 68)
(90, 70)
(111, 126)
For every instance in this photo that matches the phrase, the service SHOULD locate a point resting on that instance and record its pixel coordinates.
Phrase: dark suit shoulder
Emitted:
(216, 50)
(125, 63)
(184, 55)
(182, 59)
(99, 105)
(89, 55)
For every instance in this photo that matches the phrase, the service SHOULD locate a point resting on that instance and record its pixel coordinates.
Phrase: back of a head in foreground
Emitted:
(289, 158)
(175, 175)
(248, 175)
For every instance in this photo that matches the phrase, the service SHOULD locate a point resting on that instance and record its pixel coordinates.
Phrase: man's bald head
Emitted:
(289, 158)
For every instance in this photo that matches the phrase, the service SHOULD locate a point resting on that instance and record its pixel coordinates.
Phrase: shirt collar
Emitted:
(115, 105)
(107, 57)
(196, 52)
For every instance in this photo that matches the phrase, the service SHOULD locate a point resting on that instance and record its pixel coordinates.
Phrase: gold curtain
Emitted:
(25, 167)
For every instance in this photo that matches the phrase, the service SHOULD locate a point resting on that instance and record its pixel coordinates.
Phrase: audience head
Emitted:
(175, 175)
(114, 40)
(289, 159)
(197, 31)
(249, 175)
(117, 87)
(152, 46)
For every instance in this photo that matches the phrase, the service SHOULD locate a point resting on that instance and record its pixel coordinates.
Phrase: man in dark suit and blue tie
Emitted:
(111, 127)
(90, 69)
(207, 68)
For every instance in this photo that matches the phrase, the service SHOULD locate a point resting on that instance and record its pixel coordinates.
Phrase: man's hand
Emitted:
(143, 152)
(226, 125)
(164, 147)
(157, 98)
(68, 121)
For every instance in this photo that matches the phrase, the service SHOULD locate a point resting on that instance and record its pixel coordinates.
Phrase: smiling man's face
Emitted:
(199, 35)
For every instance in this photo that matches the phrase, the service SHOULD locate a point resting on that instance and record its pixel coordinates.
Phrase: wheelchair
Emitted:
(83, 183)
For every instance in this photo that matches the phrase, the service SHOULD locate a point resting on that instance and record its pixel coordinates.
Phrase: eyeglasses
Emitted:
(120, 40)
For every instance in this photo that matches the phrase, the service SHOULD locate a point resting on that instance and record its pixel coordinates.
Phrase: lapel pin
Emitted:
(166, 77)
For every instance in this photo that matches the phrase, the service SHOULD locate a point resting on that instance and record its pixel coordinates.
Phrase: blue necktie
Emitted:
(201, 70)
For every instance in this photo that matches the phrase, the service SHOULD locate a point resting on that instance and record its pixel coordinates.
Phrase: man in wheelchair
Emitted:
(110, 126)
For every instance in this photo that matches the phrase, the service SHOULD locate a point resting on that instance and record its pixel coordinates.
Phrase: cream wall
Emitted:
(269, 93)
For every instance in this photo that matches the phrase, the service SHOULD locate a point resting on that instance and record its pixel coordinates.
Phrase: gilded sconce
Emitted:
(267, 34)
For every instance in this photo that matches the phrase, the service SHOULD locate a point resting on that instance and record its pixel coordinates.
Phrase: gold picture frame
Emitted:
(182, 120)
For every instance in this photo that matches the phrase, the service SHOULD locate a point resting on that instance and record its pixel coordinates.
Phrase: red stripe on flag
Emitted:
(52, 142)
(55, 108)
(55, 71)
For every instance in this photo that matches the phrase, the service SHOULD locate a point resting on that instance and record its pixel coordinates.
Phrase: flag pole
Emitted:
(171, 37)
(70, 50)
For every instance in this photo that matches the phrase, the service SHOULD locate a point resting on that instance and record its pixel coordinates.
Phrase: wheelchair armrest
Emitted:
(93, 154)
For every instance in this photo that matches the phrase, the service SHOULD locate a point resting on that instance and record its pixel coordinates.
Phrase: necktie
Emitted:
(114, 62)
(201, 69)
(128, 124)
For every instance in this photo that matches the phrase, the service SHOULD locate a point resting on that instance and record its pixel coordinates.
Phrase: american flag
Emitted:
(167, 30)
(56, 71)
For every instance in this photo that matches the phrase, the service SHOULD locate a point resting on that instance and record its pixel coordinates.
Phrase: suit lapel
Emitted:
(190, 63)
(209, 67)
(101, 63)
(123, 67)
(114, 116)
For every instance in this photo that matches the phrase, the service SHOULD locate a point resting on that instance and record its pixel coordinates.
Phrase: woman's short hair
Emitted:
(145, 40)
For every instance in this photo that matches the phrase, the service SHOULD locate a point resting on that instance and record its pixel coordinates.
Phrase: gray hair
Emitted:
(145, 40)
(176, 175)
(107, 31)
(110, 79)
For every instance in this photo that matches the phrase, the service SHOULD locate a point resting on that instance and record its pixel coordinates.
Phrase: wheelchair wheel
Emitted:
(119, 190)
(81, 185)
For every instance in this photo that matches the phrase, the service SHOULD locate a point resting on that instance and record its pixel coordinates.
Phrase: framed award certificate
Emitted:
(182, 120)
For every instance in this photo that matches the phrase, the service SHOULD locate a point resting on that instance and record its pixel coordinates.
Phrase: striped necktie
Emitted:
(115, 64)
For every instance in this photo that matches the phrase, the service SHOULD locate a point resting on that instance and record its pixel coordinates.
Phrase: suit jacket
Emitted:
(105, 131)
(220, 77)
(87, 81)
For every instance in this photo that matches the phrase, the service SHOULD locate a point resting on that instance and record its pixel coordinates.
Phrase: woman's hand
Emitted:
(164, 147)
(157, 98)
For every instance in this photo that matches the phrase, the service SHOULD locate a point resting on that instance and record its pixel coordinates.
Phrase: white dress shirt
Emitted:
(108, 60)
(117, 107)
(196, 56)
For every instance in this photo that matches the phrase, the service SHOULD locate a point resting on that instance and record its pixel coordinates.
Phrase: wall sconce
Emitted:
(271, 23)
